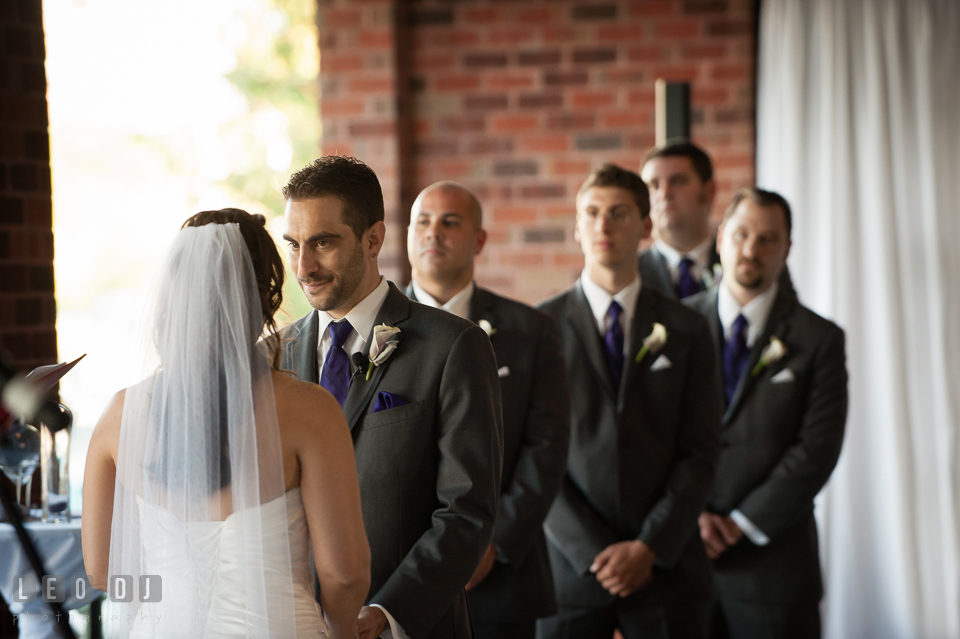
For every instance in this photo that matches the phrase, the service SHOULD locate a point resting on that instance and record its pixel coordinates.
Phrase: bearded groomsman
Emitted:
(644, 433)
(419, 389)
(513, 585)
(785, 386)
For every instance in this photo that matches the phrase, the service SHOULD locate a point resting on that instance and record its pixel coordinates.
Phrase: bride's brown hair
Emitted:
(267, 263)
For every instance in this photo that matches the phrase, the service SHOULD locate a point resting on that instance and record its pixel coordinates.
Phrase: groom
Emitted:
(425, 416)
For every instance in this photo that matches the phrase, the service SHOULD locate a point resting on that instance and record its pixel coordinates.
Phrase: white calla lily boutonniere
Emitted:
(774, 351)
(652, 342)
(487, 327)
(385, 341)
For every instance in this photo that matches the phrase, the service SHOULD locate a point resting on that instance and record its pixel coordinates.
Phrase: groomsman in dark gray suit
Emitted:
(644, 436)
(785, 384)
(420, 392)
(512, 586)
(682, 260)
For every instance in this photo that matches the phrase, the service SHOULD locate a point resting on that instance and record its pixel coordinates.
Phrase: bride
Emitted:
(217, 472)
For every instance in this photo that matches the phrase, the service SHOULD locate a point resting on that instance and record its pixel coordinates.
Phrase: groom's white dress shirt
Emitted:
(756, 312)
(361, 318)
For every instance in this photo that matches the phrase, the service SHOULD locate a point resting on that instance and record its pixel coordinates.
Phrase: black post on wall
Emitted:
(672, 110)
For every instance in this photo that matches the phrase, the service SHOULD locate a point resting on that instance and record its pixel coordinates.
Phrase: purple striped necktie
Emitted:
(613, 342)
(686, 284)
(335, 376)
(735, 356)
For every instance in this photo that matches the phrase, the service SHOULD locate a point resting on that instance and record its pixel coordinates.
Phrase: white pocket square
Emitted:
(784, 376)
(662, 362)
(503, 371)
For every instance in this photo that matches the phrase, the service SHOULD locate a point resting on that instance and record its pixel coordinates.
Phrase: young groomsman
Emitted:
(420, 392)
(513, 585)
(785, 387)
(682, 260)
(644, 433)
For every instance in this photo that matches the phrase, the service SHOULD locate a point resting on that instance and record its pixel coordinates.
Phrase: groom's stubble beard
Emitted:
(344, 283)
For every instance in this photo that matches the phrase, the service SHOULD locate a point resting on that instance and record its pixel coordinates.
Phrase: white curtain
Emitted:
(859, 128)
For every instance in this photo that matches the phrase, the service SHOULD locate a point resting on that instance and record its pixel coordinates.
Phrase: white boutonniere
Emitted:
(653, 342)
(774, 351)
(487, 327)
(712, 277)
(385, 341)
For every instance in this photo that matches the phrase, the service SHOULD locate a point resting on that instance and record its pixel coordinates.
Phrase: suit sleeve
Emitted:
(576, 528)
(671, 521)
(786, 497)
(469, 440)
(542, 457)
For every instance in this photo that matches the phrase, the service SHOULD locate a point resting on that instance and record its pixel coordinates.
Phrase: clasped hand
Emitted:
(718, 532)
(624, 567)
(371, 622)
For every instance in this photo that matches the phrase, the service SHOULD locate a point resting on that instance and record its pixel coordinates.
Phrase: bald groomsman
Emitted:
(644, 436)
(682, 260)
(513, 585)
(785, 386)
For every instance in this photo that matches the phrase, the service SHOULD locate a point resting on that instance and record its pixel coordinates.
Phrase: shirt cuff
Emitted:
(752, 533)
(396, 630)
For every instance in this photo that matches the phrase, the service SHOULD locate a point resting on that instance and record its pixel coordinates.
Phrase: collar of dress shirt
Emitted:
(459, 304)
(700, 256)
(361, 318)
(756, 311)
(599, 301)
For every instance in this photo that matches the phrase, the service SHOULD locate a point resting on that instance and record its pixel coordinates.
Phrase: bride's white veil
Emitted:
(200, 454)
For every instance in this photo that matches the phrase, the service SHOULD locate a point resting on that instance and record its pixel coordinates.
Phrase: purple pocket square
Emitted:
(386, 401)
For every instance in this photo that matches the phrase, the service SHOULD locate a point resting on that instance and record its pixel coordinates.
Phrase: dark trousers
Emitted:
(634, 620)
(522, 630)
(734, 619)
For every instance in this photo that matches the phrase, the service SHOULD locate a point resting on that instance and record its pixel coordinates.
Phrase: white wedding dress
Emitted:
(199, 496)
(198, 560)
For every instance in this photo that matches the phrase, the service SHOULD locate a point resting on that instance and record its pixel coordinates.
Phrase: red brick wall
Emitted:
(520, 100)
(27, 307)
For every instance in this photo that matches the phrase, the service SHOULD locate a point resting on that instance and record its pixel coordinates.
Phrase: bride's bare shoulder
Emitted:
(299, 403)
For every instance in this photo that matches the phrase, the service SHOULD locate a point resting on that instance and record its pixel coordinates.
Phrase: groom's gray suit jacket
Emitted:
(782, 434)
(536, 431)
(429, 470)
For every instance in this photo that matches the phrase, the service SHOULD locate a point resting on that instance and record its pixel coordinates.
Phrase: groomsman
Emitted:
(644, 433)
(513, 585)
(682, 260)
(785, 386)
(420, 392)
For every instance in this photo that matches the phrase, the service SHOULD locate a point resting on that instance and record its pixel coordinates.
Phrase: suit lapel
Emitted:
(482, 308)
(777, 325)
(709, 277)
(584, 326)
(395, 309)
(709, 310)
(644, 315)
(665, 282)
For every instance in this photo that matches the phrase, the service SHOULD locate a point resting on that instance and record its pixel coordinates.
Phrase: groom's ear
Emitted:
(373, 239)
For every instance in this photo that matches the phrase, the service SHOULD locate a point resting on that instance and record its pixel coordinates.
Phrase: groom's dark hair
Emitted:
(344, 177)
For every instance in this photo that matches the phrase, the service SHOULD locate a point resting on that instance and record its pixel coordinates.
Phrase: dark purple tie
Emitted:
(335, 376)
(687, 285)
(613, 343)
(735, 356)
